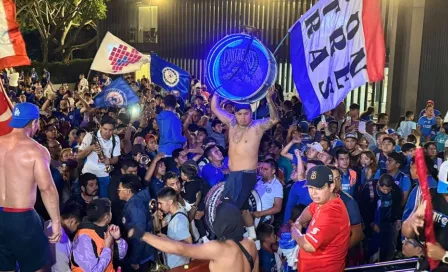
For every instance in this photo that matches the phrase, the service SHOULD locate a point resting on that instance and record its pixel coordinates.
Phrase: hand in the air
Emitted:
(418, 218)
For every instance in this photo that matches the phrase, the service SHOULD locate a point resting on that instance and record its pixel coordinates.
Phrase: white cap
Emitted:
(316, 146)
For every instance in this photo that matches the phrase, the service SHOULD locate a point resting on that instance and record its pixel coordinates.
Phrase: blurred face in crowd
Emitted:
(333, 128)
(350, 143)
(266, 171)
(387, 146)
(165, 204)
(216, 155)
(429, 111)
(203, 121)
(325, 157)
(66, 155)
(107, 130)
(312, 153)
(384, 189)
(161, 168)
(391, 165)
(439, 121)
(218, 128)
(336, 180)
(200, 136)
(129, 170)
(343, 161)
(51, 132)
(324, 144)
(182, 158)
(432, 150)
(354, 113)
(229, 108)
(55, 148)
(275, 150)
(91, 189)
(365, 160)
(63, 105)
(152, 145)
(174, 183)
(321, 196)
(196, 117)
(124, 193)
(312, 132)
(72, 135)
(243, 117)
(379, 141)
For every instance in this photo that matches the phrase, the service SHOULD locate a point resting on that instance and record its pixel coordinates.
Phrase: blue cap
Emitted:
(22, 114)
(239, 107)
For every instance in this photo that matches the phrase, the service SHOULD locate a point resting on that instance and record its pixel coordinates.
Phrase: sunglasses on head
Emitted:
(385, 185)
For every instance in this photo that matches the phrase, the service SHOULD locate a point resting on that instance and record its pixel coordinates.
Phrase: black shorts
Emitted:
(238, 187)
(22, 241)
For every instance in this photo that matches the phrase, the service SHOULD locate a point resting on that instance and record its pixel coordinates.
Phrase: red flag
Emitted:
(5, 112)
(13, 50)
(426, 196)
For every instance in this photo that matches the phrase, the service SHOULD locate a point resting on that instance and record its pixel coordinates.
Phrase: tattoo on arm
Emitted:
(273, 119)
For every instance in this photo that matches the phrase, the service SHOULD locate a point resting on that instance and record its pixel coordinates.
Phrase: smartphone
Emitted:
(323, 120)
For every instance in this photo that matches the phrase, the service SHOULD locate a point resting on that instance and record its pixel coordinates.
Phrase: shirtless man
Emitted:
(244, 141)
(231, 252)
(24, 166)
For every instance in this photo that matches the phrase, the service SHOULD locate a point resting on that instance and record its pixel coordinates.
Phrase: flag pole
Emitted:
(281, 43)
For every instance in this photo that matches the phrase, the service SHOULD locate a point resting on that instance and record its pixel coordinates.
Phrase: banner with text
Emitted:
(336, 46)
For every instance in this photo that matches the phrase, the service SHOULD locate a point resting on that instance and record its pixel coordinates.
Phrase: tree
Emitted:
(59, 23)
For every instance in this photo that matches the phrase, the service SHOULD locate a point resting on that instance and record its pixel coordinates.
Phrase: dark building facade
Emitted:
(184, 31)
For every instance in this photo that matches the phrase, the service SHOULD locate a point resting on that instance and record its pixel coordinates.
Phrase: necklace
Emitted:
(238, 135)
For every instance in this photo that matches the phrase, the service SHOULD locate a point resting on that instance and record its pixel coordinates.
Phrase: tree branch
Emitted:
(81, 46)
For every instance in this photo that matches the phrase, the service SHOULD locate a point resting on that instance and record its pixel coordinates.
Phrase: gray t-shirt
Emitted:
(178, 230)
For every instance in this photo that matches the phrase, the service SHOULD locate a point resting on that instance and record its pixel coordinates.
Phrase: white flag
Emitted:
(117, 57)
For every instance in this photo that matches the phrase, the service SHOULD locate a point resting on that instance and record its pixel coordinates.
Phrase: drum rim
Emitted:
(262, 89)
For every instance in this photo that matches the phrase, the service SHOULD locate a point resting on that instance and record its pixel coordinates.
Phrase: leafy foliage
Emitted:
(62, 24)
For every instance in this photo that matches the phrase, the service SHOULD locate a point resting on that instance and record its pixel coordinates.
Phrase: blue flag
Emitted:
(117, 94)
(169, 76)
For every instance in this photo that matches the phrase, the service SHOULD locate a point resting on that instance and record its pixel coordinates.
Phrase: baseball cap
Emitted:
(318, 176)
(442, 186)
(429, 102)
(350, 135)
(22, 114)
(316, 146)
(239, 107)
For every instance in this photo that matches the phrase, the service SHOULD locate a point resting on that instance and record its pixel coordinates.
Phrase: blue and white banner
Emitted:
(336, 46)
(117, 94)
(169, 76)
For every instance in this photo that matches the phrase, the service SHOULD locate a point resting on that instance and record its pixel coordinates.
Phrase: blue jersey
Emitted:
(426, 125)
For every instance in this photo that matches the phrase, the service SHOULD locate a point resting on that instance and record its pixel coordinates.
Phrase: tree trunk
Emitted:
(45, 51)
(66, 56)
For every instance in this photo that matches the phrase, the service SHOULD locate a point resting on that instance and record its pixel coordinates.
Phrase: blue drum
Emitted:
(240, 68)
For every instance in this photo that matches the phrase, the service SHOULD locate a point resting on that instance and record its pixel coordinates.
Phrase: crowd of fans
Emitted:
(109, 163)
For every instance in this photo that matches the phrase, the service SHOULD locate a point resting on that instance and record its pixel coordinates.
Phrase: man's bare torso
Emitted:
(233, 259)
(17, 184)
(243, 146)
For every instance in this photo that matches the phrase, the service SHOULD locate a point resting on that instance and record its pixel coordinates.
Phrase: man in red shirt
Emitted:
(324, 246)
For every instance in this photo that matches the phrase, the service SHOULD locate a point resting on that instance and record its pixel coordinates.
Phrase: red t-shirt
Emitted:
(329, 233)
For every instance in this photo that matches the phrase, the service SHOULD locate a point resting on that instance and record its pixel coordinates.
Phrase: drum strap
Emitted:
(247, 255)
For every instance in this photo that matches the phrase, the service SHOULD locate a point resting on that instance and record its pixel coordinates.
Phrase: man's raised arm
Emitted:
(268, 123)
(222, 115)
